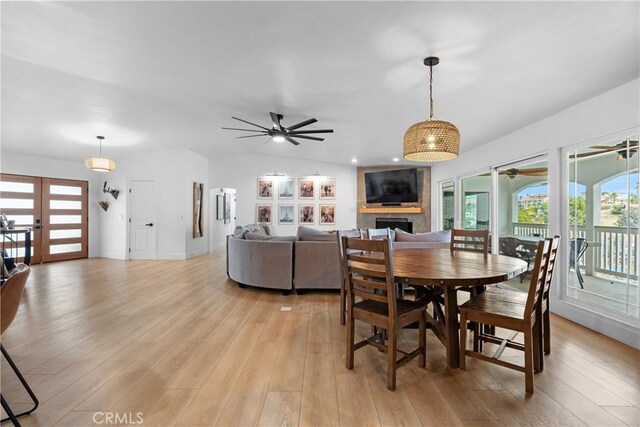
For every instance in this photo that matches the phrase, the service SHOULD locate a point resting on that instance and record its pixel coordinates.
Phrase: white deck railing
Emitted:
(614, 248)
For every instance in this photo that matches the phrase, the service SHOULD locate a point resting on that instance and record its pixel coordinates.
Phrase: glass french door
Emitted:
(447, 205)
(55, 209)
(602, 222)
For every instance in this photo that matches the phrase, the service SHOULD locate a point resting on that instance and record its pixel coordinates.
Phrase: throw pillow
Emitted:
(311, 234)
(434, 236)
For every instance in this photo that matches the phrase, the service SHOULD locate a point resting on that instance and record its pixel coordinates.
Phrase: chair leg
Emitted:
(537, 348)
(350, 337)
(24, 384)
(9, 412)
(547, 330)
(528, 361)
(539, 338)
(463, 340)
(392, 347)
(343, 305)
(580, 279)
(423, 340)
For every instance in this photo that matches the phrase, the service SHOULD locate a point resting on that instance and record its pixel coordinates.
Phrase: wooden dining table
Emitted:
(451, 270)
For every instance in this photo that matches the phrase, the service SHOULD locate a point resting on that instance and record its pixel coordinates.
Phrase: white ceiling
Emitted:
(157, 75)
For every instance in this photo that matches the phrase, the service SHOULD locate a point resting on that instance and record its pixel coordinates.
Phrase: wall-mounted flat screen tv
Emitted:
(392, 187)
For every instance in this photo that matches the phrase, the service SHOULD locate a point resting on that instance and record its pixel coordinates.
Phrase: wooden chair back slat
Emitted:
(470, 240)
(378, 233)
(369, 270)
(537, 276)
(372, 285)
(551, 263)
(365, 258)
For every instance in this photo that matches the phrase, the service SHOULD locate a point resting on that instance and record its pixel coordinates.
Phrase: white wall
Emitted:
(611, 112)
(20, 164)
(242, 172)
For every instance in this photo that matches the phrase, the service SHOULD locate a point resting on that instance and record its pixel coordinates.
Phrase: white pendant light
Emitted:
(100, 164)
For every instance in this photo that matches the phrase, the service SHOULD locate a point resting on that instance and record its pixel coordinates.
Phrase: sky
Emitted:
(616, 185)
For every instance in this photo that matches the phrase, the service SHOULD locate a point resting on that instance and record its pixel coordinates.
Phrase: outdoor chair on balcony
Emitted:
(577, 248)
(513, 247)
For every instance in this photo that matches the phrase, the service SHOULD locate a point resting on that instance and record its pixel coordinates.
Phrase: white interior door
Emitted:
(142, 227)
(219, 228)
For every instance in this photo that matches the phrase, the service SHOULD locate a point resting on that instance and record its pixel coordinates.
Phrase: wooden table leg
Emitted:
(451, 326)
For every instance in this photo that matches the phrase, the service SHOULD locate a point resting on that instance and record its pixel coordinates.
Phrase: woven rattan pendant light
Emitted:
(431, 140)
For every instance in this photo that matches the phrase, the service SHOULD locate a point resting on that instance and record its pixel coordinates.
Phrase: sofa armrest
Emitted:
(317, 265)
(261, 263)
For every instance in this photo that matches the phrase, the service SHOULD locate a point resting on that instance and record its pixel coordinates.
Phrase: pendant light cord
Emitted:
(430, 92)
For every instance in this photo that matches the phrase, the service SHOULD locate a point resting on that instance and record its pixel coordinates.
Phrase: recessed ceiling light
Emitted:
(354, 160)
(395, 159)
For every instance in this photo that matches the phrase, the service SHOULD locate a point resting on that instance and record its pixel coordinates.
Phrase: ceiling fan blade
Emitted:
(301, 124)
(311, 131)
(250, 136)
(593, 153)
(291, 140)
(309, 137)
(275, 118)
(245, 130)
(252, 124)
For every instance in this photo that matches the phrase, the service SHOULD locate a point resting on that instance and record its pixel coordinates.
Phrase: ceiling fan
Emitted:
(620, 148)
(279, 133)
(513, 172)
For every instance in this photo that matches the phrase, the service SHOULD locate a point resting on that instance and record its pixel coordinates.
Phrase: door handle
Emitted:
(149, 225)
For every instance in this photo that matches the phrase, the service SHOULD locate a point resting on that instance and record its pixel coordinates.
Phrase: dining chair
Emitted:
(379, 233)
(369, 276)
(472, 241)
(577, 248)
(543, 320)
(512, 246)
(343, 294)
(520, 318)
(10, 295)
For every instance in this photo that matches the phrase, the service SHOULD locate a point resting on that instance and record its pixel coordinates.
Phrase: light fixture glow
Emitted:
(354, 160)
(278, 138)
(431, 140)
(395, 159)
(100, 164)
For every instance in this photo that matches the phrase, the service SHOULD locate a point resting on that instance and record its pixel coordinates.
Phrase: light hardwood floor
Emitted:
(183, 345)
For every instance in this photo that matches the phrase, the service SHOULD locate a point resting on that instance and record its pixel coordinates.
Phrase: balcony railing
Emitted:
(614, 248)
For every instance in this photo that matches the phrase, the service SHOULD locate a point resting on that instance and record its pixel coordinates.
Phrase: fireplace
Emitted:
(393, 223)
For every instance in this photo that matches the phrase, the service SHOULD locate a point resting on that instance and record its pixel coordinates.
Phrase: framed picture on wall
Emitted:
(306, 189)
(263, 214)
(265, 188)
(306, 214)
(327, 214)
(285, 188)
(286, 215)
(327, 188)
(227, 207)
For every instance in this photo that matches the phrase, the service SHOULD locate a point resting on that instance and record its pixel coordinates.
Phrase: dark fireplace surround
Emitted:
(393, 223)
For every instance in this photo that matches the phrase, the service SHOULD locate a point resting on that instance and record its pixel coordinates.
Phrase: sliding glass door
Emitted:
(602, 225)
(475, 202)
(447, 205)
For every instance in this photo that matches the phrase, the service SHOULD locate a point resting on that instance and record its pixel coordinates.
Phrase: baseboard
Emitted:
(112, 255)
(197, 253)
(619, 331)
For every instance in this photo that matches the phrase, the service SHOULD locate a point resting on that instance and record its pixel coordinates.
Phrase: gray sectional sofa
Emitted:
(309, 260)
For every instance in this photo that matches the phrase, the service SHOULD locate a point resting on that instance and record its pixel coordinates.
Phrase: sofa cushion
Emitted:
(310, 234)
(253, 236)
(434, 236)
